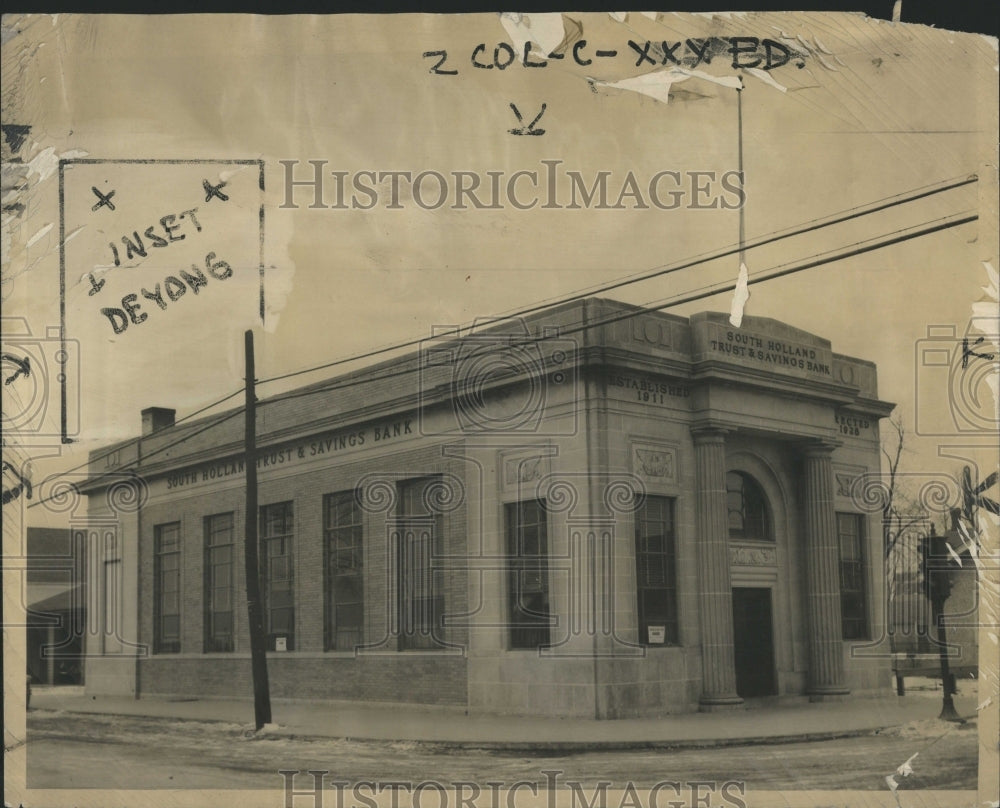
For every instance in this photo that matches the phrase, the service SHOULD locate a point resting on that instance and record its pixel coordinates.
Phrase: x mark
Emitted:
(103, 199)
(665, 49)
(214, 190)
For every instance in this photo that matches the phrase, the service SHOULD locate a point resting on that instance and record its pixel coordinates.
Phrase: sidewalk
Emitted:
(450, 726)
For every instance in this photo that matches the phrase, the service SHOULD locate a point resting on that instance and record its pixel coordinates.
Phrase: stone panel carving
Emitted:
(522, 470)
(655, 462)
(844, 484)
(742, 556)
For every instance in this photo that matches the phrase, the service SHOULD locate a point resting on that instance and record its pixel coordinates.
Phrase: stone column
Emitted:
(826, 646)
(718, 667)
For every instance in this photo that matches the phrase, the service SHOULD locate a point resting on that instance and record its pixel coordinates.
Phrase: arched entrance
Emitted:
(751, 531)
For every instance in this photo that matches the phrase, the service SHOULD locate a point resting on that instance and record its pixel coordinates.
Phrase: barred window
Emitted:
(219, 611)
(276, 535)
(167, 588)
(344, 586)
(656, 571)
(529, 618)
(853, 601)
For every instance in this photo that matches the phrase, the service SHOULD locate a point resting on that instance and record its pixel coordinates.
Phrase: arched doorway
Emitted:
(753, 620)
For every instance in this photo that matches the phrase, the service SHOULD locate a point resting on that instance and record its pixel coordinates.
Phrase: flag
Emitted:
(741, 294)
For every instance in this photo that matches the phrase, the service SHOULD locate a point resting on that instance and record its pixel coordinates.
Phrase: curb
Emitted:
(547, 747)
(576, 747)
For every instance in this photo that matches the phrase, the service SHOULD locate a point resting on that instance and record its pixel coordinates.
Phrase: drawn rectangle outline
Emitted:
(63, 403)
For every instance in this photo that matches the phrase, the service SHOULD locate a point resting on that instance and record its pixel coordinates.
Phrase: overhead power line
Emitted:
(134, 441)
(797, 230)
(818, 259)
(132, 463)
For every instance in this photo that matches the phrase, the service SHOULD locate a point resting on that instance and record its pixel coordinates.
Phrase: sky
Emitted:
(863, 110)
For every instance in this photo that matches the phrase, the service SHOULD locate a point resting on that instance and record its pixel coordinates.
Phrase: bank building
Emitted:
(596, 511)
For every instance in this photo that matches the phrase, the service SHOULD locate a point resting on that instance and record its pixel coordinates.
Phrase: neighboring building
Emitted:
(599, 511)
(56, 610)
(913, 631)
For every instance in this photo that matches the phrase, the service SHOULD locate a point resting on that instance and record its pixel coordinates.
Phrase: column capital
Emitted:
(709, 433)
(820, 447)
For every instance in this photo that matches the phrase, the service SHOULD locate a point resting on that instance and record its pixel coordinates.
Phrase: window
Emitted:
(528, 573)
(219, 582)
(421, 588)
(656, 571)
(748, 517)
(853, 608)
(276, 532)
(167, 588)
(344, 589)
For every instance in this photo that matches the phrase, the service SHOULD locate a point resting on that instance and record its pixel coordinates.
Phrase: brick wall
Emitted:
(407, 678)
(436, 677)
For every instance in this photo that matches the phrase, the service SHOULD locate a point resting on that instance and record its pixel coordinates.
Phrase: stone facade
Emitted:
(632, 426)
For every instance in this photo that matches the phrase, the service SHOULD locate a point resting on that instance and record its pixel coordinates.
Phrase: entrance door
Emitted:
(753, 642)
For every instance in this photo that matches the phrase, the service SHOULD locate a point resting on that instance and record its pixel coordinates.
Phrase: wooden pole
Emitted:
(255, 612)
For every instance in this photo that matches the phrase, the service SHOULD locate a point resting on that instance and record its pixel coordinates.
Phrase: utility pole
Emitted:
(255, 612)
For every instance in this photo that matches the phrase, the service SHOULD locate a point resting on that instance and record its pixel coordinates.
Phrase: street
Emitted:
(77, 751)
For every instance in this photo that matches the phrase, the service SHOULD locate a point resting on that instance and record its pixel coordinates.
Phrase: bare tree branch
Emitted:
(897, 518)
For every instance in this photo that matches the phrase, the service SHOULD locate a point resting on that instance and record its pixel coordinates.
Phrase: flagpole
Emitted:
(740, 292)
(743, 184)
